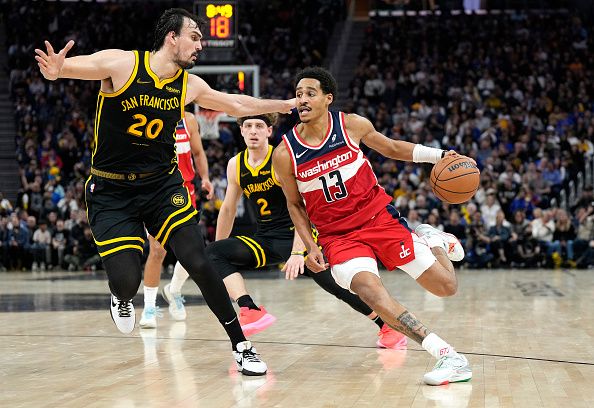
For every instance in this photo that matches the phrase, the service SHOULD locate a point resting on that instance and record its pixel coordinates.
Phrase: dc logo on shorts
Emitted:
(178, 200)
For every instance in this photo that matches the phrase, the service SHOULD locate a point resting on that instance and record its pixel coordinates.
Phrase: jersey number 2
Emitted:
(342, 191)
(263, 210)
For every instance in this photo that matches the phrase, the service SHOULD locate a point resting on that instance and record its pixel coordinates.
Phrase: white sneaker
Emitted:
(176, 301)
(451, 244)
(448, 369)
(148, 320)
(248, 362)
(122, 314)
(34, 267)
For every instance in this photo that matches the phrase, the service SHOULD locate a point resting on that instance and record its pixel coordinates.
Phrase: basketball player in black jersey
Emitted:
(251, 174)
(134, 181)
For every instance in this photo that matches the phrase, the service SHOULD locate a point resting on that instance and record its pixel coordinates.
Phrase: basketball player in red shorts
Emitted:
(187, 144)
(329, 183)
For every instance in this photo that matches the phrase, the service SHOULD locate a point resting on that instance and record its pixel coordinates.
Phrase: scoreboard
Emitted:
(221, 29)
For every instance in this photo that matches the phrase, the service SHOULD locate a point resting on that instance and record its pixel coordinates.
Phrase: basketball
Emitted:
(455, 179)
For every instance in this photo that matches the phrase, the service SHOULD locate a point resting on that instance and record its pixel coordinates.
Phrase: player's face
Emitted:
(256, 132)
(312, 102)
(187, 44)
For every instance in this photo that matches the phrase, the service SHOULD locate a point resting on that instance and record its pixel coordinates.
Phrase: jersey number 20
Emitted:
(342, 191)
(153, 128)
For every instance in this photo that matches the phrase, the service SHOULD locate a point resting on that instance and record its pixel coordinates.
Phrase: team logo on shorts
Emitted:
(178, 200)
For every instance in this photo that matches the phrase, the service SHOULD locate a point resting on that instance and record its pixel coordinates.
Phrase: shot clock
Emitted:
(221, 29)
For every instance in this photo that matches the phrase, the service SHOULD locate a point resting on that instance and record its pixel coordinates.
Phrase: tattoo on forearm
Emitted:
(408, 324)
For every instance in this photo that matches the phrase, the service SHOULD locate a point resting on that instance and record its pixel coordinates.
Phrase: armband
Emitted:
(424, 154)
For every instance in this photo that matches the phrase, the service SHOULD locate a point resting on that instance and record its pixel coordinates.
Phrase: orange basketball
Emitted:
(455, 179)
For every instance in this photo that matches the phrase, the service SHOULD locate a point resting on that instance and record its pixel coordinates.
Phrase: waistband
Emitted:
(123, 176)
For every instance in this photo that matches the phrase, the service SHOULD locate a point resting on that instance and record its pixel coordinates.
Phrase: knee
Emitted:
(157, 252)
(367, 290)
(447, 288)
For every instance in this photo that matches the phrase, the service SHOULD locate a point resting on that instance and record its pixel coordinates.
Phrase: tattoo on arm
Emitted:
(409, 325)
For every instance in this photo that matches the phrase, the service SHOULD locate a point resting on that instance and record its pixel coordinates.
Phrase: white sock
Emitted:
(150, 296)
(436, 346)
(180, 276)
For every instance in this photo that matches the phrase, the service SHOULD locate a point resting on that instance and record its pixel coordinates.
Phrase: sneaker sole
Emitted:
(459, 243)
(256, 327)
(252, 373)
(400, 345)
(147, 325)
(465, 377)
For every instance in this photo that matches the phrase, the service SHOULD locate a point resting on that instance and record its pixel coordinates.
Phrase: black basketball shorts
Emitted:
(120, 210)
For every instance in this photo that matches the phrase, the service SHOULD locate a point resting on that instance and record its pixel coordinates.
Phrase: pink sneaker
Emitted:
(390, 338)
(254, 321)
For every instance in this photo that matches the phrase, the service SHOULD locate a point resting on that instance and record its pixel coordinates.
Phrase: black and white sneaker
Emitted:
(122, 314)
(248, 362)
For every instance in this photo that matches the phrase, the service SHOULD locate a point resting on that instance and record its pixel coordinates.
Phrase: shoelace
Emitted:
(179, 301)
(154, 312)
(124, 308)
(249, 355)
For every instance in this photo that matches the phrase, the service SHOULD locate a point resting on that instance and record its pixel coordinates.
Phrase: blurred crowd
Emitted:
(514, 92)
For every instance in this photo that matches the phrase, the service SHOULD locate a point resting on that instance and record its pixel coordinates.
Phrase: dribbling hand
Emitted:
(453, 153)
(315, 260)
(50, 64)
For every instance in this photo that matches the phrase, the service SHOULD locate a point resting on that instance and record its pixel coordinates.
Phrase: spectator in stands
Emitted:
(41, 248)
(490, 208)
(543, 227)
(584, 243)
(499, 236)
(478, 254)
(563, 237)
(60, 243)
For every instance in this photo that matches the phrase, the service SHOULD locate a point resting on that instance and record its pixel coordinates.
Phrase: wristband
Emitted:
(424, 154)
(302, 253)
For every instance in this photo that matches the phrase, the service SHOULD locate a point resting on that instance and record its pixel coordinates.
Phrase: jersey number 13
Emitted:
(339, 184)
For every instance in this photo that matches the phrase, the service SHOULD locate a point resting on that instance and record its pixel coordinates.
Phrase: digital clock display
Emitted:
(221, 18)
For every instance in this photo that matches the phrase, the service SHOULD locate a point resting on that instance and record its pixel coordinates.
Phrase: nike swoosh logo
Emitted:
(228, 323)
(138, 81)
(298, 155)
(113, 304)
(245, 174)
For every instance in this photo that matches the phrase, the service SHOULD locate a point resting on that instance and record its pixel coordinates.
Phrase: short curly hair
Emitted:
(327, 81)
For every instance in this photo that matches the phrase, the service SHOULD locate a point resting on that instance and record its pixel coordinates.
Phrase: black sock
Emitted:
(234, 332)
(378, 320)
(246, 301)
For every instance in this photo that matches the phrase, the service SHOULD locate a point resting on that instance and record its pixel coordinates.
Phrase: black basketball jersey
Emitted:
(264, 192)
(135, 126)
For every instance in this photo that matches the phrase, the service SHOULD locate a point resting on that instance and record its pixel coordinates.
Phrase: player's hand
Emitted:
(453, 153)
(294, 267)
(50, 64)
(207, 186)
(315, 260)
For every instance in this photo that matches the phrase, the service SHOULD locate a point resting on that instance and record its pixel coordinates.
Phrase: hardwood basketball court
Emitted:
(527, 334)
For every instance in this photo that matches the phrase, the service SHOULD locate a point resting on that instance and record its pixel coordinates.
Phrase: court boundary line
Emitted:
(304, 344)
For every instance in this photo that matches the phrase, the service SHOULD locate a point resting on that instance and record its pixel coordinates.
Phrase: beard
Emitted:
(184, 64)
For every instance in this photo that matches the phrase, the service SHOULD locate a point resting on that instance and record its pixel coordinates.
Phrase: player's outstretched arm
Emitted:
(97, 66)
(229, 207)
(198, 153)
(282, 167)
(235, 105)
(361, 130)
